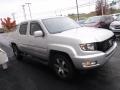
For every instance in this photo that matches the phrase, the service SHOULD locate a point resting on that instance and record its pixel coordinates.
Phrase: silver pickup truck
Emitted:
(63, 45)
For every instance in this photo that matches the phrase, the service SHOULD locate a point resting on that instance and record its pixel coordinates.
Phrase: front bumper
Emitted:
(95, 60)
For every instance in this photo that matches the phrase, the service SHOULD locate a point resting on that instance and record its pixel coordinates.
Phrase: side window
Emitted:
(23, 28)
(108, 19)
(34, 26)
(102, 19)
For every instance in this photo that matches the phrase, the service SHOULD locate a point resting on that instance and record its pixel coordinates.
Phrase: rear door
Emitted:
(22, 36)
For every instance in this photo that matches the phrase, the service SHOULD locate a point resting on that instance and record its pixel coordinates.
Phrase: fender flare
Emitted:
(63, 48)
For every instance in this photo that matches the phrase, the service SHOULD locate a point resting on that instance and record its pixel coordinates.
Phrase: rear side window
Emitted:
(23, 28)
(110, 19)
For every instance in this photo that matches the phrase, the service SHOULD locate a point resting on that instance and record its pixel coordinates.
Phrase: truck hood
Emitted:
(87, 34)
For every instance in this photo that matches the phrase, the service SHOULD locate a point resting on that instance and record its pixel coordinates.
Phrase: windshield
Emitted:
(59, 24)
(94, 19)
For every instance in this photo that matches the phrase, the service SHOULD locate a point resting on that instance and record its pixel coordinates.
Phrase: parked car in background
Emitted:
(99, 21)
(81, 22)
(116, 15)
(115, 27)
(3, 59)
(6, 51)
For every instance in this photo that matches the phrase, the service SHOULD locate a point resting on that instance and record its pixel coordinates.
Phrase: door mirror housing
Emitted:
(38, 33)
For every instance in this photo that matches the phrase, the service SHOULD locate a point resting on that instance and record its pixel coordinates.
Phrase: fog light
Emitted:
(89, 63)
(93, 63)
(86, 63)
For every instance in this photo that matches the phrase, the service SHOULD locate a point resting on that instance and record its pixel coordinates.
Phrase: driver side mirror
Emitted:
(38, 33)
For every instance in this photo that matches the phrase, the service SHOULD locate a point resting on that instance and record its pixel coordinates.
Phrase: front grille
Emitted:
(105, 45)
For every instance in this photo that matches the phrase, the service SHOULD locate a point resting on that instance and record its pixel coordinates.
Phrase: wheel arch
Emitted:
(13, 44)
(53, 52)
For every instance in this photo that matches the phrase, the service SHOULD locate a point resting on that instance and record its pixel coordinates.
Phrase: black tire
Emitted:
(17, 52)
(62, 66)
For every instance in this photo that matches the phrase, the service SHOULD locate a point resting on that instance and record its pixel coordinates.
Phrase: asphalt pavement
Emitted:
(30, 75)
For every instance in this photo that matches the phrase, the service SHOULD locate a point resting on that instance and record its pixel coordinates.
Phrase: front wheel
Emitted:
(62, 66)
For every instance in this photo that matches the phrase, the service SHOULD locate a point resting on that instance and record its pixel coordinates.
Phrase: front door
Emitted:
(37, 45)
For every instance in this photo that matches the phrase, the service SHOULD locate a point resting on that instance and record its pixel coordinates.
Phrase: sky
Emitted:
(42, 8)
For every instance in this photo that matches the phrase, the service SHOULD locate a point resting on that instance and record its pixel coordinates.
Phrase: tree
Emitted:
(7, 24)
(112, 10)
(102, 7)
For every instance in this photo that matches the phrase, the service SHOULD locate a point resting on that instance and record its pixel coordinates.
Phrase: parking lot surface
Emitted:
(30, 75)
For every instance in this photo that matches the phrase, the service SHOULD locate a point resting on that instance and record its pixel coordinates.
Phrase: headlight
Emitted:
(88, 47)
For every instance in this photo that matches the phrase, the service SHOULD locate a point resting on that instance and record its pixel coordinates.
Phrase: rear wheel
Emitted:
(62, 66)
(17, 52)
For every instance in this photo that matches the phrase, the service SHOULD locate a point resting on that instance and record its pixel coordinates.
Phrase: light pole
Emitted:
(102, 7)
(89, 5)
(13, 15)
(61, 12)
(56, 12)
(77, 9)
(23, 6)
(29, 9)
